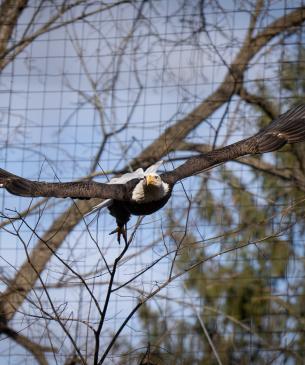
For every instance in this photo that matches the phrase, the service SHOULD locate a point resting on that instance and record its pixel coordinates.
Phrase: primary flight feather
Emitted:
(144, 192)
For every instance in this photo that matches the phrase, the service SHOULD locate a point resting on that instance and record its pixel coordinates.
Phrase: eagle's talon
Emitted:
(121, 231)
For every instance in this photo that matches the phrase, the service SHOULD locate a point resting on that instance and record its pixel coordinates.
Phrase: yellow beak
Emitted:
(150, 180)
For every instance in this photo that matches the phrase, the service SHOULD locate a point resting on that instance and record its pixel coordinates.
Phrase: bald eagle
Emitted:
(145, 192)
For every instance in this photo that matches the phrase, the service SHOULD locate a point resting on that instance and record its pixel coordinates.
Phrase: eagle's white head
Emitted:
(152, 181)
(150, 188)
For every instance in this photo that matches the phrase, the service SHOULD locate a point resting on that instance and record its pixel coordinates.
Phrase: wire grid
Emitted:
(147, 74)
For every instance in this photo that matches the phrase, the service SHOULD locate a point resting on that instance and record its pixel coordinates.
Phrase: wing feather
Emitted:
(287, 128)
(80, 189)
(138, 174)
(104, 204)
(153, 168)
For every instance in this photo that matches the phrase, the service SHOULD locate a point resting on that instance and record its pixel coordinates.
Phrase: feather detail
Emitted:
(153, 168)
(104, 204)
(287, 128)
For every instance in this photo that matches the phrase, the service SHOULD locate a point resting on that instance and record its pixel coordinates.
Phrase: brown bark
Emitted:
(9, 13)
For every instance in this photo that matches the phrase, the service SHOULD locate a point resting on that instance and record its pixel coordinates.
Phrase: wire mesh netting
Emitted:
(91, 90)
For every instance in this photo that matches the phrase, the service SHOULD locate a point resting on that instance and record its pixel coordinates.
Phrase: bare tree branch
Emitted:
(8, 55)
(37, 350)
(171, 137)
(10, 11)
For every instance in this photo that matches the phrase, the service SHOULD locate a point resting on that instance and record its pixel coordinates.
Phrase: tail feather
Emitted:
(287, 128)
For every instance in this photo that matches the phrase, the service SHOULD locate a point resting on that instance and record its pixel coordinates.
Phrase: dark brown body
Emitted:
(123, 210)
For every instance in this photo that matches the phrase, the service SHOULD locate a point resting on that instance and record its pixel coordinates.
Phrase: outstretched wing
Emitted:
(287, 128)
(82, 190)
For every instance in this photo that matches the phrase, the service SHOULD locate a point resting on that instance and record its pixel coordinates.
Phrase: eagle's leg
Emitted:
(124, 233)
(121, 231)
(122, 216)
